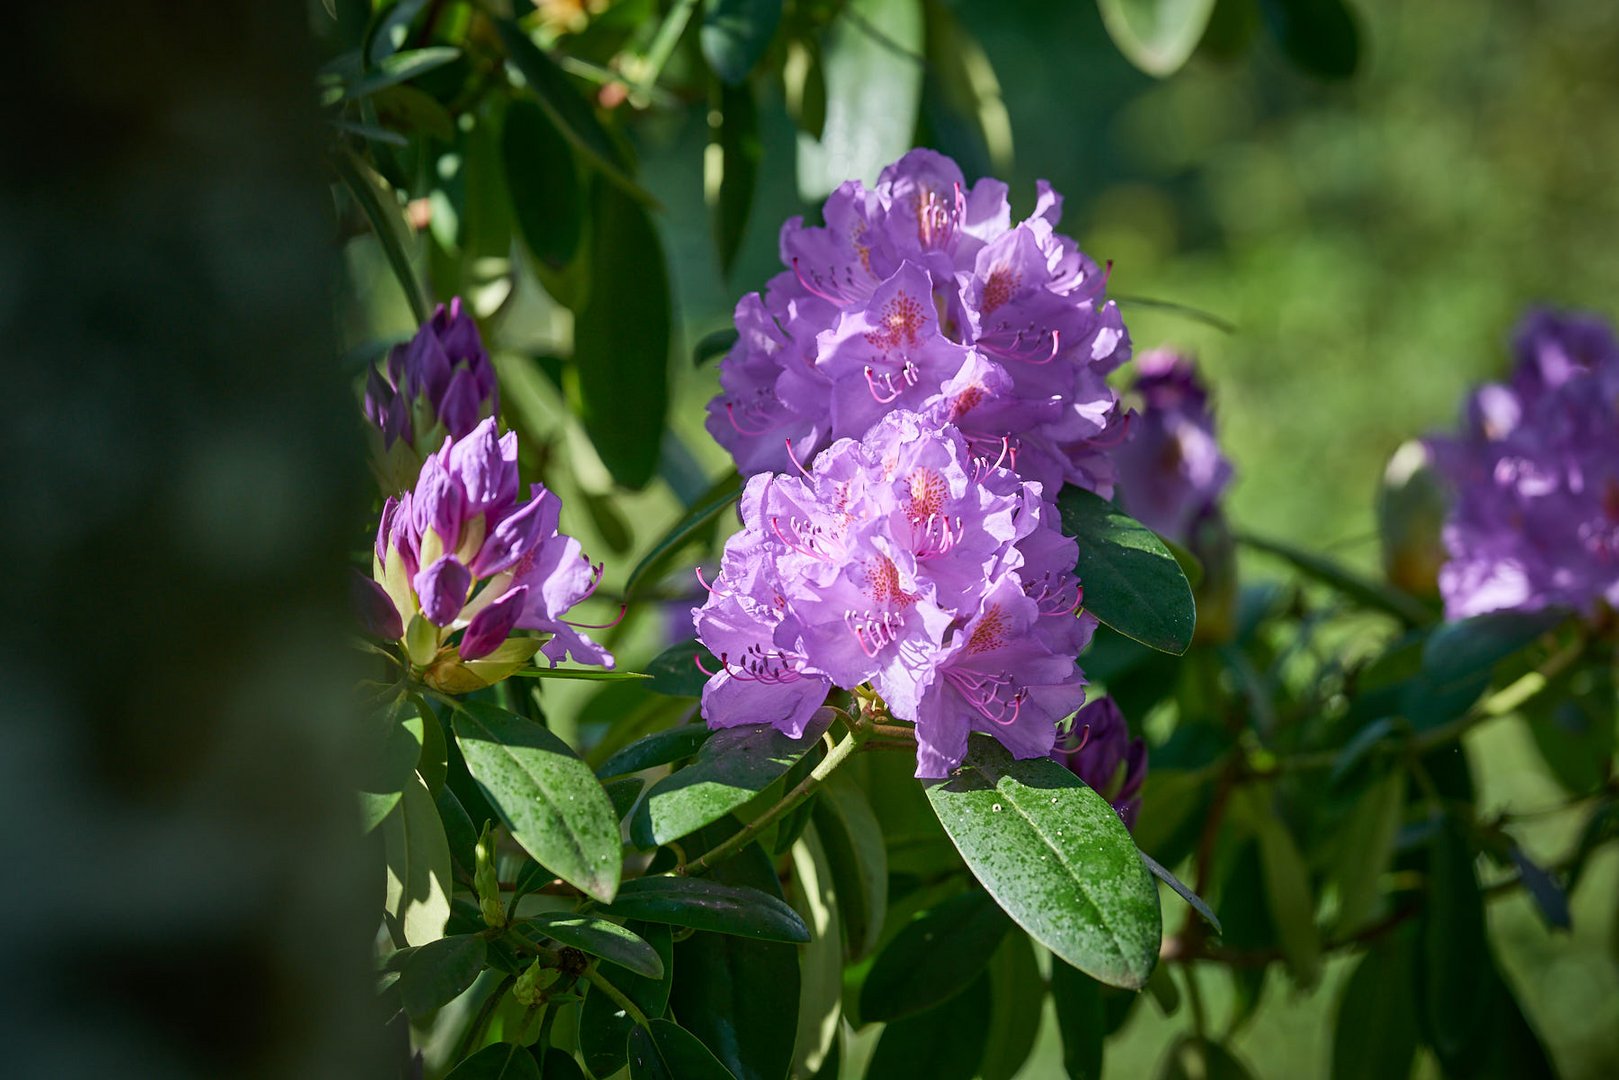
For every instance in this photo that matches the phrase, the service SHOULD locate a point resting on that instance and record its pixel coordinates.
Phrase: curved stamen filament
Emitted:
(873, 631)
(983, 693)
(730, 414)
(698, 570)
(793, 457)
(1035, 356)
(815, 289)
(622, 608)
(938, 534)
(757, 665)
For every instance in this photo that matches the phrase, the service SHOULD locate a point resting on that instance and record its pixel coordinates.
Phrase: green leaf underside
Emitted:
(933, 957)
(439, 971)
(709, 905)
(418, 861)
(548, 798)
(736, 33)
(1131, 580)
(1157, 36)
(732, 766)
(598, 937)
(1181, 889)
(1057, 859)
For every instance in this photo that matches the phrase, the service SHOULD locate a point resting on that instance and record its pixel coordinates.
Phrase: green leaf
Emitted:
(678, 670)
(735, 35)
(732, 767)
(658, 748)
(603, 1024)
(1320, 36)
(962, 105)
(377, 201)
(598, 937)
(713, 344)
(1201, 1059)
(1458, 658)
(399, 68)
(1456, 977)
(560, 1065)
(1131, 581)
(1342, 580)
(437, 973)
(945, 1043)
(1376, 1032)
(1366, 848)
(459, 831)
(1080, 1020)
(933, 957)
(724, 494)
(418, 863)
(1057, 858)
(820, 1000)
(1157, 36)
(580, 674)
(1181, 889)
(731, 167)
(621, 339)
(1017, 994)
(388, 745)
(858, 858)
(374, 809)
(1575, 723)
(1287, 888)
(665, 1051)
(709, 905)
(548, 798)
(622, 793)
(499, 1061)
(871, 53)
(547, 197)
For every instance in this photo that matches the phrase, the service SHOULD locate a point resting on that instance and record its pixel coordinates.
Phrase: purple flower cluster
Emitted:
(440, 382)
(1171, 469)
(1535, 477)
(921, 295)
(460, 552)
(1101, 752)
(900, 560)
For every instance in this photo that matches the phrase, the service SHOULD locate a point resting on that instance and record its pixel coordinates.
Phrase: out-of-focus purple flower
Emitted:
(1535, 478)
(902, 561)
(1100, 751)
(922, 295)
(439, 383)
(1171, 469)
(460, 553)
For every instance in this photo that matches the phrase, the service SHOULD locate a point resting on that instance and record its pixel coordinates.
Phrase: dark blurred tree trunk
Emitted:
(185, 892)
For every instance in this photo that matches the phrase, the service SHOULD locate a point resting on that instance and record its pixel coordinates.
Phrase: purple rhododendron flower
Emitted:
(902, 561)
(464, 553)
(1535, 478)
(922, 295)
(442, 380)
(1105, 756)
(1171, 469)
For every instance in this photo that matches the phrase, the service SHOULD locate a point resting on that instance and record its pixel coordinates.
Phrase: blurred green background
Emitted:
(1372, 243)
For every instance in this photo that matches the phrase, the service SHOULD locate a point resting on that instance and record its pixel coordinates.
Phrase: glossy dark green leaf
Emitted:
(1131, 581)
(678, 670)
(853, 839)
(459, 831)
(1057, 858)
(1181, 889)
(439, 971)
(709, 905)
(621, 338)
(658, 748)
(548, 200)
(933, 957)
(1320, 36)
(721, 496)
(871, 54)
(1157, 36)
(417, 857)
(714, 344)
(739, 995)
(736, 33)
(944, 1043)
(1458, 657)
(499, 1061)
(596, 936)
(548, 798)
(381, 208)
(664, 1051)
(603, 1024)
(731, 167)
(1342, 580)
(1366, 848)
(1375, 1036)
(622, 793)
(558, 1064)
(1456, 977)
(1017, 994)
(399, 68)
(732, 767)
(1080, 1021)
(1201, 1059)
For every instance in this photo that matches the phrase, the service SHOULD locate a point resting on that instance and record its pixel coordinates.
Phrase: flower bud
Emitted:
(530, 987)
(485, 881)
(1411, 509)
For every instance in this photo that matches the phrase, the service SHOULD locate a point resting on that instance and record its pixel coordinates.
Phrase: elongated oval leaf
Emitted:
(1341, 579)
(548, 200)
(820, 1011)
(709, 905)
(732, 767)
(731, 168)
(376, 200)
(1057, 859)
(1375, 1036)
(548, 798)
(665, 1051)
(621, 338)
(945, 1043)
(1458, 657)
(1081, 1020)
(399, 68)
(933, 957)
(436, 973)
(658, 748)
(603, 1024)
(678, 670)
(1164, 874)
(1016, 995)
(1366, 848)
(1131, 581)
(1287, 886)
(418, 862)
(721, 495)
(735, 35)
(598, 937)
(501, 1061)
(1157, 36)
(858, 856)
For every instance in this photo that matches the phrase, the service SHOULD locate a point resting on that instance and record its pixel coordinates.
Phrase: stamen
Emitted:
(872, 632)
(698, 570)
(622, 608)
(730, 414)
(794, 457)
(697, 658)
(831, 298)
(872, 386)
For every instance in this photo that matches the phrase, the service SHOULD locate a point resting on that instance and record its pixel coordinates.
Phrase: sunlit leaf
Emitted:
(1131, 581)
